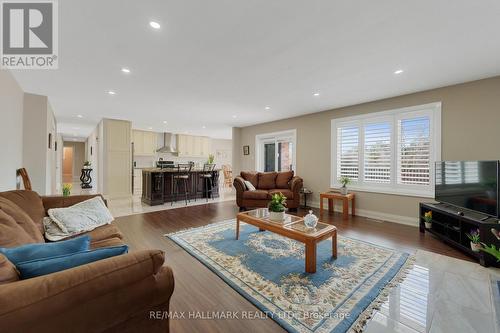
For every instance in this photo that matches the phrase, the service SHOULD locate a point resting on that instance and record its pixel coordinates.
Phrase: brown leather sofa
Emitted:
(117, 294)
(266, 184)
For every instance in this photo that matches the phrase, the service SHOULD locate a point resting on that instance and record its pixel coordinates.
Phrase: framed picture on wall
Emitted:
(246, 150)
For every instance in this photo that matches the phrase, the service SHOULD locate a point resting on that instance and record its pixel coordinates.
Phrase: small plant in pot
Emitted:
(277, 207)
(344, 181)
(428, 219)
(66, 189)
(475, 241)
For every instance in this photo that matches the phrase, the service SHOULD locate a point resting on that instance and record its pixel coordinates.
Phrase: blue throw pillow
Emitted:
(45, 250)
(45, 266)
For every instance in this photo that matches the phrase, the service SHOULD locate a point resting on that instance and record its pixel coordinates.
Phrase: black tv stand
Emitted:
(450, 224)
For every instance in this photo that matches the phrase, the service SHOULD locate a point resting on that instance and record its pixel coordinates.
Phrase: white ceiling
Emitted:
(212, 60)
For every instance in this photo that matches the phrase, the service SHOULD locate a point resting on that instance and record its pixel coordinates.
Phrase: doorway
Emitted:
(276, 151)
(67, 165)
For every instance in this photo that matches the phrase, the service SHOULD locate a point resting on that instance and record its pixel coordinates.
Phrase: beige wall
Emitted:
(470, 131)
(11, 130)
(38, 158)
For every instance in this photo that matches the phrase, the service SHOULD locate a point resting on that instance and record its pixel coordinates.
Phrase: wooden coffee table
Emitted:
(293, 227)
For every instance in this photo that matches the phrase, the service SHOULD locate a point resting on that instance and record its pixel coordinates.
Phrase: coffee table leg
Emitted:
(334, 245)
(320, 205)
(311, 257)
(237, 229)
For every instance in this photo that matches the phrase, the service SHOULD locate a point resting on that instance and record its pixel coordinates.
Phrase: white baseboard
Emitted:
(406, 220)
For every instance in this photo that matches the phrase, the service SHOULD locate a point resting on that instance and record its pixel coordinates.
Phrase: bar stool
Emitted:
(182, 175)
(206, 176)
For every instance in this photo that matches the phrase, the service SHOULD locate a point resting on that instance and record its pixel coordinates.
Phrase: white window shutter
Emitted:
(348, 152)
(377, 153)
(414, 151)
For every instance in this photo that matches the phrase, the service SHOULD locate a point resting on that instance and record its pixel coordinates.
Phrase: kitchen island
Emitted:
(157, 185)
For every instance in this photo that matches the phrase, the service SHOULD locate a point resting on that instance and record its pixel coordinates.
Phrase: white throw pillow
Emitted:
(84, 216)
(249, 186)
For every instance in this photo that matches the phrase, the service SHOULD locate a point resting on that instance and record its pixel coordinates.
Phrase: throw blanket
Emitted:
(83, 217)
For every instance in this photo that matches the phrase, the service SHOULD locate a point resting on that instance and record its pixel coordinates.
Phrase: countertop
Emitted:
(172, 170)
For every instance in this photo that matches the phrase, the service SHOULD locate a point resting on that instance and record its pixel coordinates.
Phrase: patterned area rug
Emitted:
(268, 270)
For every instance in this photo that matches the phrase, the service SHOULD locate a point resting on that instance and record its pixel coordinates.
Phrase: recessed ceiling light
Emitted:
(203, 126)
(234, 116)
(155, 25)
(111, 92)
(79, 116)
(125, 70)
(164, 121)
(267, 108)
(399, 71)
(316, 94)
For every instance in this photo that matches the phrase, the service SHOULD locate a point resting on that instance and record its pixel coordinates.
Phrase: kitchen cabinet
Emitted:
(193, 146)
(144, 143)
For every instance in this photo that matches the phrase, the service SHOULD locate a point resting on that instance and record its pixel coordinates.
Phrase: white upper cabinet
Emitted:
(144, 143)
(193, 146)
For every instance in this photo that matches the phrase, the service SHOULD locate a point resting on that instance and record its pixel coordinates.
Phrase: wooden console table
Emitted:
(331, 196)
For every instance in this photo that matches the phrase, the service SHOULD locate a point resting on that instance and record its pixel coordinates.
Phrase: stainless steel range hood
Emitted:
(168, 144)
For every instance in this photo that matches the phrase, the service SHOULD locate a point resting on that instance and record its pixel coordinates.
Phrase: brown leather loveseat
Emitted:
(117, 294)
(266, 184)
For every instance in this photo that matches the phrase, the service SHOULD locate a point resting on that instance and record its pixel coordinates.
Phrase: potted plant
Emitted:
(475, 241)
(277, 207)
(491, 250)
(87, 165)
(428, 219)
(66, 190)
(211, 159)
(344, 181)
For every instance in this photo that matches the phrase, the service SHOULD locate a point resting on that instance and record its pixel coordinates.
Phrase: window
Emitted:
(275, 151)
(389, 152)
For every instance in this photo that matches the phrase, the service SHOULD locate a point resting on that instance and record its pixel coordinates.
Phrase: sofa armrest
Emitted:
(92, 297)
(296, 184)
(239, 184)
(58, 201)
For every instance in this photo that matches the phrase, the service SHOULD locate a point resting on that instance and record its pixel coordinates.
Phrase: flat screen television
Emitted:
(472, 185)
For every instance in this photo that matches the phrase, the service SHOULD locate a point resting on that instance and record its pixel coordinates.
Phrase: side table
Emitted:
(331, 196)
(305, 192)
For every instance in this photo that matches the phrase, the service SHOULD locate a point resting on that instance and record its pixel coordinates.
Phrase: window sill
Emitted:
(392, 191)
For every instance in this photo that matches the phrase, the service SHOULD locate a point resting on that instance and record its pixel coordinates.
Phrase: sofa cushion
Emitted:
(283, 178)
(249, 186)
(11, 233)
(104, 232)
(31, 252)
(267, 180)
(287, 193)
(8, 272)
(256, 195)
(110, 242)
(30, 202)
(22, 218)
(251, 176)
(46, 266)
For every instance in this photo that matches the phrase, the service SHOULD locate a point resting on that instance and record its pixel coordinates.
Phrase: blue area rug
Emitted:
(268, 270)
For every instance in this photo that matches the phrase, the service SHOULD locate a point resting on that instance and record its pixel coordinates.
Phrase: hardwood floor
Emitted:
(198, 289)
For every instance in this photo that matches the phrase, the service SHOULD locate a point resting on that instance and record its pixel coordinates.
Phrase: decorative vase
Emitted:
(428, 225)
(277, 216)
(475, 247)
(310, 220)
(343, 190)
